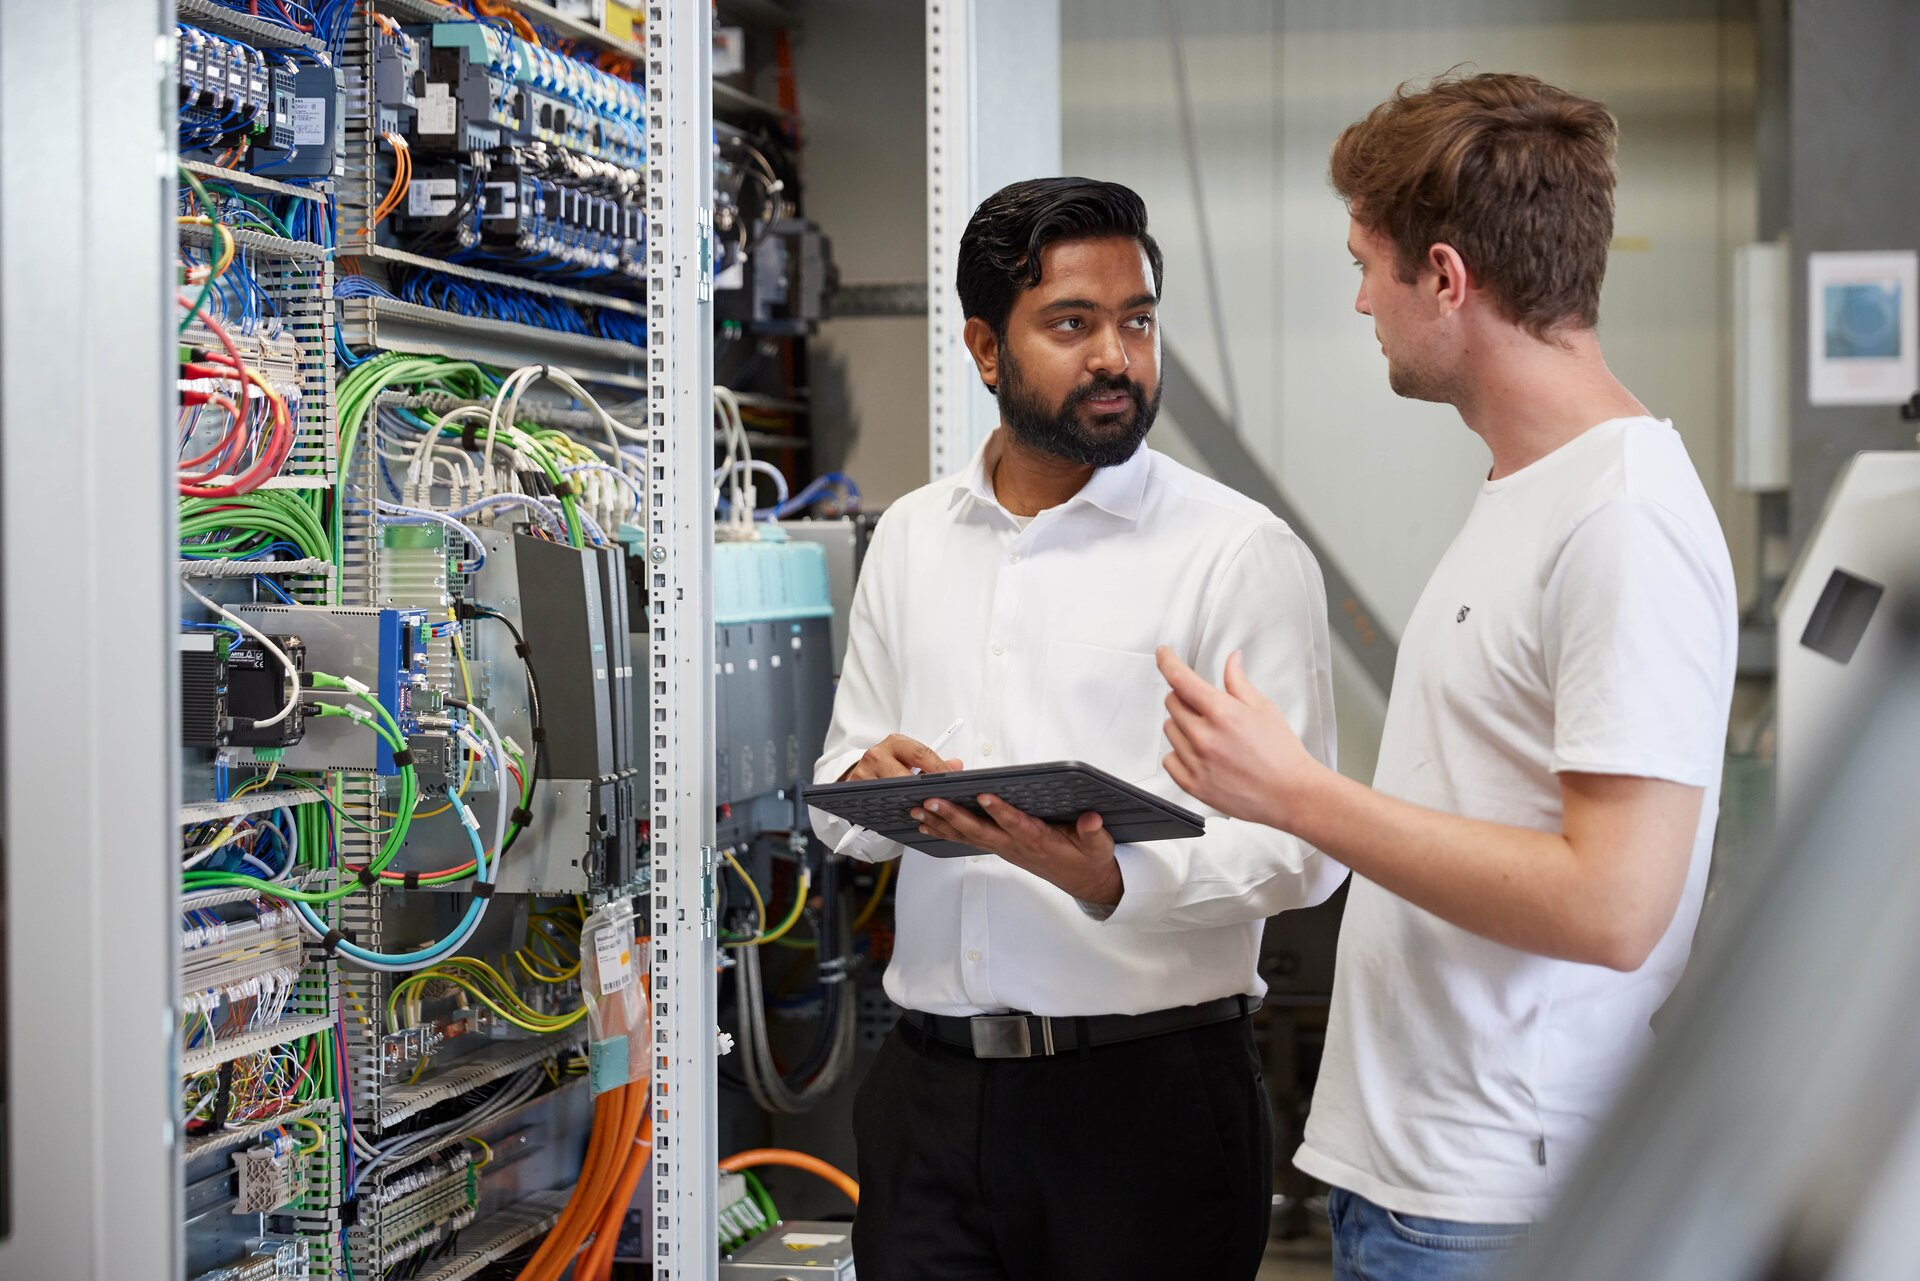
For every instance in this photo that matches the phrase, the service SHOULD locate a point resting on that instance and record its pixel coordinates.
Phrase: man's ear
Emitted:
(985, 349)
(1449, 275)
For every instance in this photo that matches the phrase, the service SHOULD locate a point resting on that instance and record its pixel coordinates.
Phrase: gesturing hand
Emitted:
(896, 756)
(1232, 748)
(1077, 858)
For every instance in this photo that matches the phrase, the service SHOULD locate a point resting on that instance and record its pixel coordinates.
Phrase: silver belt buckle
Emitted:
(1001, 1036)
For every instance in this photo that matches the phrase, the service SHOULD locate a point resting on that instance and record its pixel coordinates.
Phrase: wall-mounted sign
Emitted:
(1863, 342)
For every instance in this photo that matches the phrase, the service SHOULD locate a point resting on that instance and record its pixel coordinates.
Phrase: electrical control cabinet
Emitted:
(444, 374)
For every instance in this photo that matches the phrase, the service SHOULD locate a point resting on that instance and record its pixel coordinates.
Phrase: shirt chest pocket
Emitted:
(1101, 706)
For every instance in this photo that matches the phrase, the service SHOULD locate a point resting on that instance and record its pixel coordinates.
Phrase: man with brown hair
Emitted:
(1529, 867)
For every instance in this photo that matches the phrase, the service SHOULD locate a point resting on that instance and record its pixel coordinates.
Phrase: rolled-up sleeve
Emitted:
(1270, 604)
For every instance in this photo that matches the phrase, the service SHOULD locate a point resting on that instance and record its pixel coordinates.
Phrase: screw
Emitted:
(657, 554)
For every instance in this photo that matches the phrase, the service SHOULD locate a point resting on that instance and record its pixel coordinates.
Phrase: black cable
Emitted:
(534, 714)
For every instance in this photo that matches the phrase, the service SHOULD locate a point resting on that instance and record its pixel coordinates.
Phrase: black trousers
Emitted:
(1149, 1159)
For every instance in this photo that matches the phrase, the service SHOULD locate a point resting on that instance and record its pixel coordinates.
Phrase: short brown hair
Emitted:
(1514, 173)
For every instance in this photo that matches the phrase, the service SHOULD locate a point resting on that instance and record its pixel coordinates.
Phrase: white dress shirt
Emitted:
(1041, 640)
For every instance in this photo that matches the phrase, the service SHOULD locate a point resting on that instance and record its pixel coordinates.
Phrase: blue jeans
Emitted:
(1375, 1244)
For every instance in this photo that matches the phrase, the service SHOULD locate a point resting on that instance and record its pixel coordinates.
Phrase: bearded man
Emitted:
(1022, 600)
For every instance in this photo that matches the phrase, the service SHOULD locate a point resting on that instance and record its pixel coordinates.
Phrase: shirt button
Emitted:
(978, 858)
(973, 954)
(1014, 559)
(998, 649)
(986, 749)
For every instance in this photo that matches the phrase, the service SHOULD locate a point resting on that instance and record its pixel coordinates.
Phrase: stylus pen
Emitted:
(946, 736)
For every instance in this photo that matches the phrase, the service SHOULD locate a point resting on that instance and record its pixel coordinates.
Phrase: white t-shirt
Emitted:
(1583, 620)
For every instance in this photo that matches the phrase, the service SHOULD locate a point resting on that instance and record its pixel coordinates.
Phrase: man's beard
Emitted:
(1109, 441)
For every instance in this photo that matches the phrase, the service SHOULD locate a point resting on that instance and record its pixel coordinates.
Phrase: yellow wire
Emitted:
(319, 1135)
(793, 915)
(483, 1146)
(759, 904)
(227, 243)
(558, 969)
(524, 1017)
(879, 890)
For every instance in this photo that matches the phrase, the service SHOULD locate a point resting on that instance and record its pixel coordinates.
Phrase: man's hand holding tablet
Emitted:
(1077, 857)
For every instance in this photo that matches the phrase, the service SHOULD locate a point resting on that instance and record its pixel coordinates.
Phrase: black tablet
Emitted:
(1056, 792)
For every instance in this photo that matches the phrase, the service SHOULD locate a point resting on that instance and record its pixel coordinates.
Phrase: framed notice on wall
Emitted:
(1863, 348)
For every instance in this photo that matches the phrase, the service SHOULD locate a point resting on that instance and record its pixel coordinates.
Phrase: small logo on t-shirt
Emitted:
(1461, 617)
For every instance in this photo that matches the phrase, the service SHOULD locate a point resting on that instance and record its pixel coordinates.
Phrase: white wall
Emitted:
(1386, 482)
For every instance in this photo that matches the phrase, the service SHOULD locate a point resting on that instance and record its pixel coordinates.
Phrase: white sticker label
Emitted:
(437, 111)
(429, 197)
(809, 1240)
(309, 122)
(615, 956)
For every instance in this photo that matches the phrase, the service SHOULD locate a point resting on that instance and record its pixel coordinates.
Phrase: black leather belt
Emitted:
(1026, 1036)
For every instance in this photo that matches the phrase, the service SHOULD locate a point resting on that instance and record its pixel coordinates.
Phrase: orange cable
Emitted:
(402, 177)
(793, 1160)
(597, 1263)
(557, 1250)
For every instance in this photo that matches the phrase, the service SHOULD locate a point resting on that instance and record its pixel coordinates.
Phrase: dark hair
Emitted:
(1000, 252)
(1515, 174)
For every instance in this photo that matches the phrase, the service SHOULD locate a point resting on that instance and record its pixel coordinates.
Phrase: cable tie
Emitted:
(367, 877)
(561, 489)
(470, 437)
(483, 890)
(522, 816)
(522, 650)
(539, 734)
(403, 757)
(331, 942)
(411, 881)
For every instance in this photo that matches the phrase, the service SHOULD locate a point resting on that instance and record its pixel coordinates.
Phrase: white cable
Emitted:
(513, 500)
(500, 777)
(767, 469)
(293, 673)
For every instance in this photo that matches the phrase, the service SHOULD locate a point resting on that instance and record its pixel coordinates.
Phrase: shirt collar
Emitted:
(1118, 491)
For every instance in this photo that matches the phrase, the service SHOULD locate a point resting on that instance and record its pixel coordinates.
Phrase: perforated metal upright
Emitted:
(680, 612)
(993, 117)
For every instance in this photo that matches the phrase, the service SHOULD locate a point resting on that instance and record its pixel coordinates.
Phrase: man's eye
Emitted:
(1066, 321)
(1141, 322)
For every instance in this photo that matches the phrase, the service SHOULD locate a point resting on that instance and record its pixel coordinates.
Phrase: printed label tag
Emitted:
(309, 122)
(429, 197)
(615, 956)
(437, 111)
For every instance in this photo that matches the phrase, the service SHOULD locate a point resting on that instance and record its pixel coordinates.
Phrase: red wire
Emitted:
(279, 443)
(246, 388)
(234, 434)
(292, 21)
